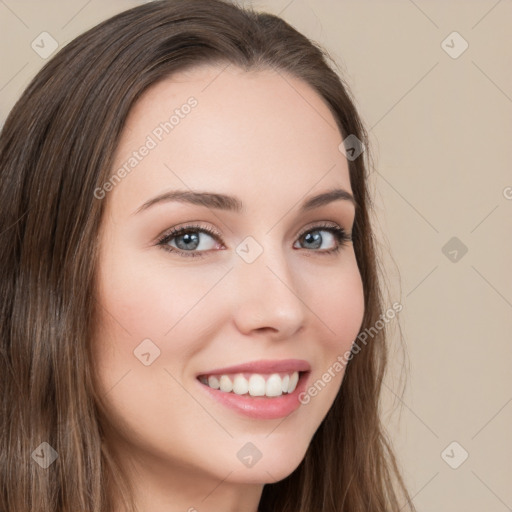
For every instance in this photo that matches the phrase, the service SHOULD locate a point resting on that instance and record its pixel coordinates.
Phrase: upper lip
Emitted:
(264, 366)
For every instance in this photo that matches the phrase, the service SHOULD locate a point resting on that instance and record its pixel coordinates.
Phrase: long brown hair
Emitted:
(56, 149)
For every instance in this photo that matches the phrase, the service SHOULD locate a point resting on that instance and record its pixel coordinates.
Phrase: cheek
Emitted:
(140, 301)
(172, 306)
(337, 301)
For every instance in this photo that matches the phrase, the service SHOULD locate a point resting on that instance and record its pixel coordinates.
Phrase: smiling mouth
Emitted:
(254, 384)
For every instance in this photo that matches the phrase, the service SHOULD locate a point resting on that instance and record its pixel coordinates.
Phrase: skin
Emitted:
(253, 136)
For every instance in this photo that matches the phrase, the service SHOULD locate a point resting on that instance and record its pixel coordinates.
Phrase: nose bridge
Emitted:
(267, 293)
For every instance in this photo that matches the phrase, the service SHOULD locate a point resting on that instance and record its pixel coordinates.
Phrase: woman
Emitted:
(187, 269)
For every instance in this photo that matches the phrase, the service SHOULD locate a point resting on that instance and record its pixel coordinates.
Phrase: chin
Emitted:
(276, 463)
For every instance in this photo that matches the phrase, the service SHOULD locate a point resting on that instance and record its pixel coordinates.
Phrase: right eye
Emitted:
(188, 240)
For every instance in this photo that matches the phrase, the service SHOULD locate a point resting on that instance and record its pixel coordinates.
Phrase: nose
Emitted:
(266, 298)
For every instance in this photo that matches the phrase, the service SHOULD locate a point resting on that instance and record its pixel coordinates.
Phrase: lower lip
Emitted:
(260, 407)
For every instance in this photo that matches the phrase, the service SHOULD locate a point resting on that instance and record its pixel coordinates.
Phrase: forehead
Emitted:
(224, 129)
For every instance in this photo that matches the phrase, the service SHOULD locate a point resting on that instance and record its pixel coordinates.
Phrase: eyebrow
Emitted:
(234, 204)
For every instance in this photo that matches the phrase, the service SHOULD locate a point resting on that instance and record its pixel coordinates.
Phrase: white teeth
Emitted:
(213, 382)
(240, 385)
(285, 382)
(293, 382)
(225, 384)
(256, 385)
(274, 385)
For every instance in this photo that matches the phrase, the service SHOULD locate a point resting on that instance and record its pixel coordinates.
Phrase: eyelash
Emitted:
(340, 235)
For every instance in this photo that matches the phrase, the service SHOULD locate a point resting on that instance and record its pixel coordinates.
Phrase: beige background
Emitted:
(440, 128)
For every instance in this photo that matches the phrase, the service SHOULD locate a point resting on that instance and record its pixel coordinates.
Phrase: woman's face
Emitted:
(249, 296)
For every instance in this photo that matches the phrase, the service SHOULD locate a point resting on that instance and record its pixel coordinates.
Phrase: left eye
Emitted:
(186, 241)
(315, 239)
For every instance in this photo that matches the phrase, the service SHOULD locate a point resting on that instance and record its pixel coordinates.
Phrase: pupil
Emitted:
(189, 238)
(310, 238)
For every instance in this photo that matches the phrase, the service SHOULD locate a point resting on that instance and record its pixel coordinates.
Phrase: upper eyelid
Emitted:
(321, 224)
